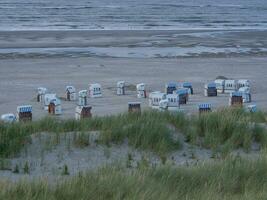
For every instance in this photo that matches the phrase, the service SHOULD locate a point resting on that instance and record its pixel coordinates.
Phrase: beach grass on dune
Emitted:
(232, 178)
(148, 131)
(221, 131)
(226, 129)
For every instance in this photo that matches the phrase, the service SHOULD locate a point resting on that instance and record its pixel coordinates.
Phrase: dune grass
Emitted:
(221, 131)
(232, 178)
(227, 129)
(148, 131)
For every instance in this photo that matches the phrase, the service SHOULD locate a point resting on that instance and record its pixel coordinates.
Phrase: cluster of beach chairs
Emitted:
(177, 94)
(174, 95)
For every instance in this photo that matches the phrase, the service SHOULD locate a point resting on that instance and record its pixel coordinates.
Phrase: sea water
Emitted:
(132, 14)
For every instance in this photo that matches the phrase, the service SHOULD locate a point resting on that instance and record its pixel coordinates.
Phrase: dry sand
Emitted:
(19, 79)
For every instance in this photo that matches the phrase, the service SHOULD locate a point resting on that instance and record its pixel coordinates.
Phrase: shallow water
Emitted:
(125, 52)
(132, 14)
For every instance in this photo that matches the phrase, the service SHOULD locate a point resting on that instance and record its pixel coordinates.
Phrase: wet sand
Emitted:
(133, 44)
(130, 38)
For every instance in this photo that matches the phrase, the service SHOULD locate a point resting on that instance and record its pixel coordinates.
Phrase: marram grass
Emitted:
(226, 129)
(148, 131)
(230, 179)
(221, 131)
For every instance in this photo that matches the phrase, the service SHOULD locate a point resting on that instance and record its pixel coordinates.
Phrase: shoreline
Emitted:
(34, 36)
(137, 44)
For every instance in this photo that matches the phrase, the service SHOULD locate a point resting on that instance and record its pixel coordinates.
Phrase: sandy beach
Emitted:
(19, 79)
(48, 64)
